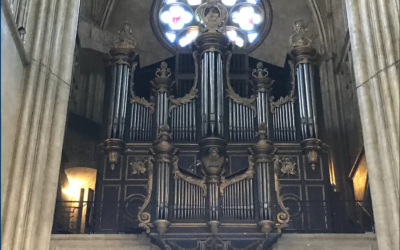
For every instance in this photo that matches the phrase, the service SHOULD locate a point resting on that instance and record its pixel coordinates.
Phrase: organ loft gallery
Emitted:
(200, 125)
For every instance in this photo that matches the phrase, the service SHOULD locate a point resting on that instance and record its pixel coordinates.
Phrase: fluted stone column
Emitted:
(29, 200)
(374, 35)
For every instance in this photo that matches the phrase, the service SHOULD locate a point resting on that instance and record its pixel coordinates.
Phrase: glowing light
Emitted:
(233, 36)
(246, 18)
(176, 17)
(171, 37)
(252, 1)
(194, 2)
(189, 37)
(229, 2)
(252, 37)
(73, 190)
(170, 1)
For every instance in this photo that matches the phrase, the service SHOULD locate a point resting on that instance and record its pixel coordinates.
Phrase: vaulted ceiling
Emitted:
(100, 21)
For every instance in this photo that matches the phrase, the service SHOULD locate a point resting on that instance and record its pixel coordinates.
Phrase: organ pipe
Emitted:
(162, 84)
(121, 67)
(305, 57)
(164, 154)
(263, 88)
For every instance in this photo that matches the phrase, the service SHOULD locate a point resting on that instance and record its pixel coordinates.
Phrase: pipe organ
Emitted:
(210, 158)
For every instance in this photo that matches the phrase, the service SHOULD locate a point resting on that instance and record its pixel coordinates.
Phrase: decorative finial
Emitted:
(262, 131)
(300, 38)
(125, 39)
(260, 72)
(163, 71)
(163, 134)
(213, 15)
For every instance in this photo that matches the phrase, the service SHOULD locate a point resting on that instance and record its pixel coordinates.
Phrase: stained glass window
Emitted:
(179, 21)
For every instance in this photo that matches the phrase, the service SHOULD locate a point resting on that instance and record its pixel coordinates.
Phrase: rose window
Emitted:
(177, 22)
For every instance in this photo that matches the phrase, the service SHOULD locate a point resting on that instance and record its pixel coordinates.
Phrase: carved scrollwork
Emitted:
(246, 175)
(179, 175)
(290, 97)
(145, 217)
(138, 166)
(144, 102)
(248, 102)
(288, 166)
(176, 102)
(284, 216)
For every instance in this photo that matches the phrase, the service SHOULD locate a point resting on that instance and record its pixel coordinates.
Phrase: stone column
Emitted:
(30, 197)
(374, 27)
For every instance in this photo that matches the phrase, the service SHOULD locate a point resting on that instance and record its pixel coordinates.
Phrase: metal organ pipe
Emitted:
(212, 91)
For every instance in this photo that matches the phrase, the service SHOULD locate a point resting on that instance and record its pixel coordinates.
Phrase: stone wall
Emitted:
(287, 242)
(12, 73)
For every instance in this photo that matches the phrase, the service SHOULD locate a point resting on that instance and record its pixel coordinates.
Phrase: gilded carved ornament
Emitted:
(176, 102)
(300, 38)
(264, 83)
(290, 97)
(246, 175)
(179, 175)
(248, 102)
(138, 166)
(145, 217)
(214, 15)
(162, 82)
(122, 47)
(282, 217)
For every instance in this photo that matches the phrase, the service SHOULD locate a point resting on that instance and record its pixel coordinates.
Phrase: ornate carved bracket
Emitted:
(248, 102)
(145, 217)
(284, 216)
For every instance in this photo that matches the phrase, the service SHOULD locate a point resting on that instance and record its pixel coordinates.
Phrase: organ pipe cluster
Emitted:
(121, 69)
(163, 153)
(305, 58)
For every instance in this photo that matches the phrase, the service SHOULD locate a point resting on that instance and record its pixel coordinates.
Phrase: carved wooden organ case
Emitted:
(212, 160)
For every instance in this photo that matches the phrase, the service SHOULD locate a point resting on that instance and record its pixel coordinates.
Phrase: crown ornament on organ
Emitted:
(300, 38)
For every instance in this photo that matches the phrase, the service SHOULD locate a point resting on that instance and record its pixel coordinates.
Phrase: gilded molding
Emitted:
(145, 217)
(290, 97)
(247, 175)
(248, 102)
(176, 102)
(144, 102)
(179, 175)
(284, 216)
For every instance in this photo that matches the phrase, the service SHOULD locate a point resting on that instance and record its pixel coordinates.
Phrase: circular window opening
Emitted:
(176, 23)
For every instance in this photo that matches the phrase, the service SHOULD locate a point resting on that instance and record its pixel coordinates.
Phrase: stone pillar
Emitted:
(374, 27)
(30, 197)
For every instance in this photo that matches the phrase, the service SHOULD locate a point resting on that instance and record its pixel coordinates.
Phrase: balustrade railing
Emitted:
(77, 217)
